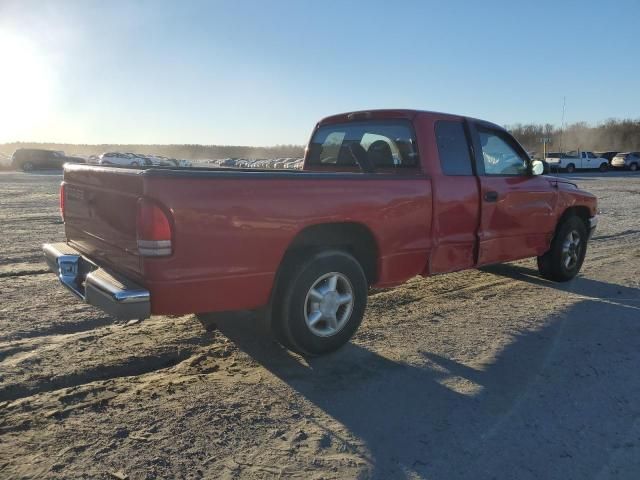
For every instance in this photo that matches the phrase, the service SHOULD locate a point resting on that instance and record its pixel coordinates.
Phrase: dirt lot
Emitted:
(480, 374)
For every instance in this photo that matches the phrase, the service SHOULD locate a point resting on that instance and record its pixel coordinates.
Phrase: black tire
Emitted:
(633, 167)
(571, 168)
(293, 297)
(604, 167)
(27, 166)
(553, 264)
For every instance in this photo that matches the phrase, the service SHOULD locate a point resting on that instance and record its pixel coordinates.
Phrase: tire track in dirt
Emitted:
(24, 273)
(132, 366)
(46, 363)
(69, 328)
(625, 233)
(14, 352)
(40, 219)
(30, 257)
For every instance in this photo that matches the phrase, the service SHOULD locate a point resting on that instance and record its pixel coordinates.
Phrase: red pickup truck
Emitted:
(383, 196)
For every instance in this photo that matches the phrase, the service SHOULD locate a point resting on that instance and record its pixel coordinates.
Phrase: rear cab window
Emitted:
(383, 145)
(453, 148)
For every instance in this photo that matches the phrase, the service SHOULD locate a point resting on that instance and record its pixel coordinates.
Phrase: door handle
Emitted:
(491, 196)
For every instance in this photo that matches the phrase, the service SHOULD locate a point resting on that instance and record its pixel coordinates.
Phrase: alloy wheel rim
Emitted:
(571, 250)
(329, 304)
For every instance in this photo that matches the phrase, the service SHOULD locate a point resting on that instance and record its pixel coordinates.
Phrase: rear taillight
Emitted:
(153, 230)
(62, 200)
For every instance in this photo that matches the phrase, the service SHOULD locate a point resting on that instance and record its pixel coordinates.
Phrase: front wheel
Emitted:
(564, 259)
(633, 167)
(320, 303)
(604, 167)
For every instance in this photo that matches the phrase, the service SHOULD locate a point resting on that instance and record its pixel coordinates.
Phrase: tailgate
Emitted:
(100, 215)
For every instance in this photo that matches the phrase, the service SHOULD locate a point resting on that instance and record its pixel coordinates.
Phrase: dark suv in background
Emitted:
(608, 155)
(28, 159)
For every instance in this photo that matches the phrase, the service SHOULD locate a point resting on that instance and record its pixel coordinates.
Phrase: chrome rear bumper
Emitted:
(116, 295)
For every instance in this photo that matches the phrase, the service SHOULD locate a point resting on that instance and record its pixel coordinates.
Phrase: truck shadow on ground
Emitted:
(552, 404)
(609, 293)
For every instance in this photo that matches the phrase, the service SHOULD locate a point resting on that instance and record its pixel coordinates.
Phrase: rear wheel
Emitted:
(633, 167)
(27, 166)
(320, 303)
(571, 168)
(564, 259)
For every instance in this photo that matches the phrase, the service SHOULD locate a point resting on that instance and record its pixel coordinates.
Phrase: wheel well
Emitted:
(352, 237)
(578, 211)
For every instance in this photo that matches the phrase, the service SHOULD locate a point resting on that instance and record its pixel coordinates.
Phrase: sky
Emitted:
(242, 72)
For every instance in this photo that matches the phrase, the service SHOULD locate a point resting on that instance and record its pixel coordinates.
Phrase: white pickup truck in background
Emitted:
(576, 160)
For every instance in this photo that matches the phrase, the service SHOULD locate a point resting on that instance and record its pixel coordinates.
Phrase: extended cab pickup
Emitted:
(572, 161)
(383, 196)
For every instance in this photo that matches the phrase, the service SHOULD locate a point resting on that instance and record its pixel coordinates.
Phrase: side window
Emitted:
(453, 148)
(591, 155)
(499, 156)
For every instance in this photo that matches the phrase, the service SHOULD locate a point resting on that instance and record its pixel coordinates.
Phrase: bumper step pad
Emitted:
(115, 294)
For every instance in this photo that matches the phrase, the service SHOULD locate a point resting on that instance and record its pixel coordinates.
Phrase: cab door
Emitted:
(517, 213)
(586, 161)
(456, 200)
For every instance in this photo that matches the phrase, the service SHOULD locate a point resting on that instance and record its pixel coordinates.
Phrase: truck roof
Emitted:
(395, 113)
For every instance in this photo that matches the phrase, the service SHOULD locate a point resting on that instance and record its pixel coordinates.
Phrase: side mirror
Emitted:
(537, 167)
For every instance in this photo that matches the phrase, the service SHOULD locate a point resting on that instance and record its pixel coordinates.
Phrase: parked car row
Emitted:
(28, 159)
(579, 160)
(261, 163)
(139, 160)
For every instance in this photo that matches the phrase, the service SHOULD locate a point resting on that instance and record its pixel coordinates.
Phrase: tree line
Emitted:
(611, 135)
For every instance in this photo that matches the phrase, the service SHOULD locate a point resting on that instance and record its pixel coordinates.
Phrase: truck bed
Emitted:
(231, 228)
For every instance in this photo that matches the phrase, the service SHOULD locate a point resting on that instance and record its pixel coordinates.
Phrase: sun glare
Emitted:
(25, 88)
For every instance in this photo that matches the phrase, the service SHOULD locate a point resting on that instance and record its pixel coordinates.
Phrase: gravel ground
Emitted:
(491, 373)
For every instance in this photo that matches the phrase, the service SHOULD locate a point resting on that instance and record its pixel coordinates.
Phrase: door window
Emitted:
(500, 156)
